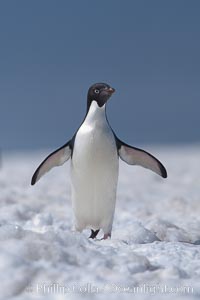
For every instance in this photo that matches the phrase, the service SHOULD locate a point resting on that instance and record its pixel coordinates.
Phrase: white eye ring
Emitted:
(96, 91)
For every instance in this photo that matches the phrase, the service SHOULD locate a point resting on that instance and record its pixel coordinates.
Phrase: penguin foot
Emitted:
(106, 236)
(93, 233)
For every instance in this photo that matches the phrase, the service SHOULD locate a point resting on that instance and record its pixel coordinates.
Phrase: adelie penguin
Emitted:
(94, 151)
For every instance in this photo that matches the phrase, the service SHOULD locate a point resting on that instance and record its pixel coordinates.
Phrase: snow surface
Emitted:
(155, 247)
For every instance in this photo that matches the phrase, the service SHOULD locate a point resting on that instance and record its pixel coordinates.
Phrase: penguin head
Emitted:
(99, 92)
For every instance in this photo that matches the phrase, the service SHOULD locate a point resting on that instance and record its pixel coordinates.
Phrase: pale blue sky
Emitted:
(52, 51)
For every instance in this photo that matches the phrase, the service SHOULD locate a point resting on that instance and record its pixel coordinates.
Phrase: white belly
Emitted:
(94, 175)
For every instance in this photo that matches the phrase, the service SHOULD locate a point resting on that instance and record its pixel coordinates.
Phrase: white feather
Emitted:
(94, 172)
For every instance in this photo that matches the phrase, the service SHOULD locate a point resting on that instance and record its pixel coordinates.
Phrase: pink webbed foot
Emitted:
(106, 236)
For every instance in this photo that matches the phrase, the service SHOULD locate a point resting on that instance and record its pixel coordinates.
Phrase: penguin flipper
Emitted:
(56, 158)
(136, 156)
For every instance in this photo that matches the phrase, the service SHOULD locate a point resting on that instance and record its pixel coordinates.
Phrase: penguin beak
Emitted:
(111, 90)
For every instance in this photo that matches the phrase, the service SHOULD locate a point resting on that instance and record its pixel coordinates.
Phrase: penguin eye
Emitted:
(96, 91)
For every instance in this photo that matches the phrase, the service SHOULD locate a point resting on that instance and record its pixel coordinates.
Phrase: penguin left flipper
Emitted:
(56, 158)
(136, 156)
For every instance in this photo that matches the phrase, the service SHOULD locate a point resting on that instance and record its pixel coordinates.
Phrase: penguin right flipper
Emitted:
(56, 158)
(136, 156)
